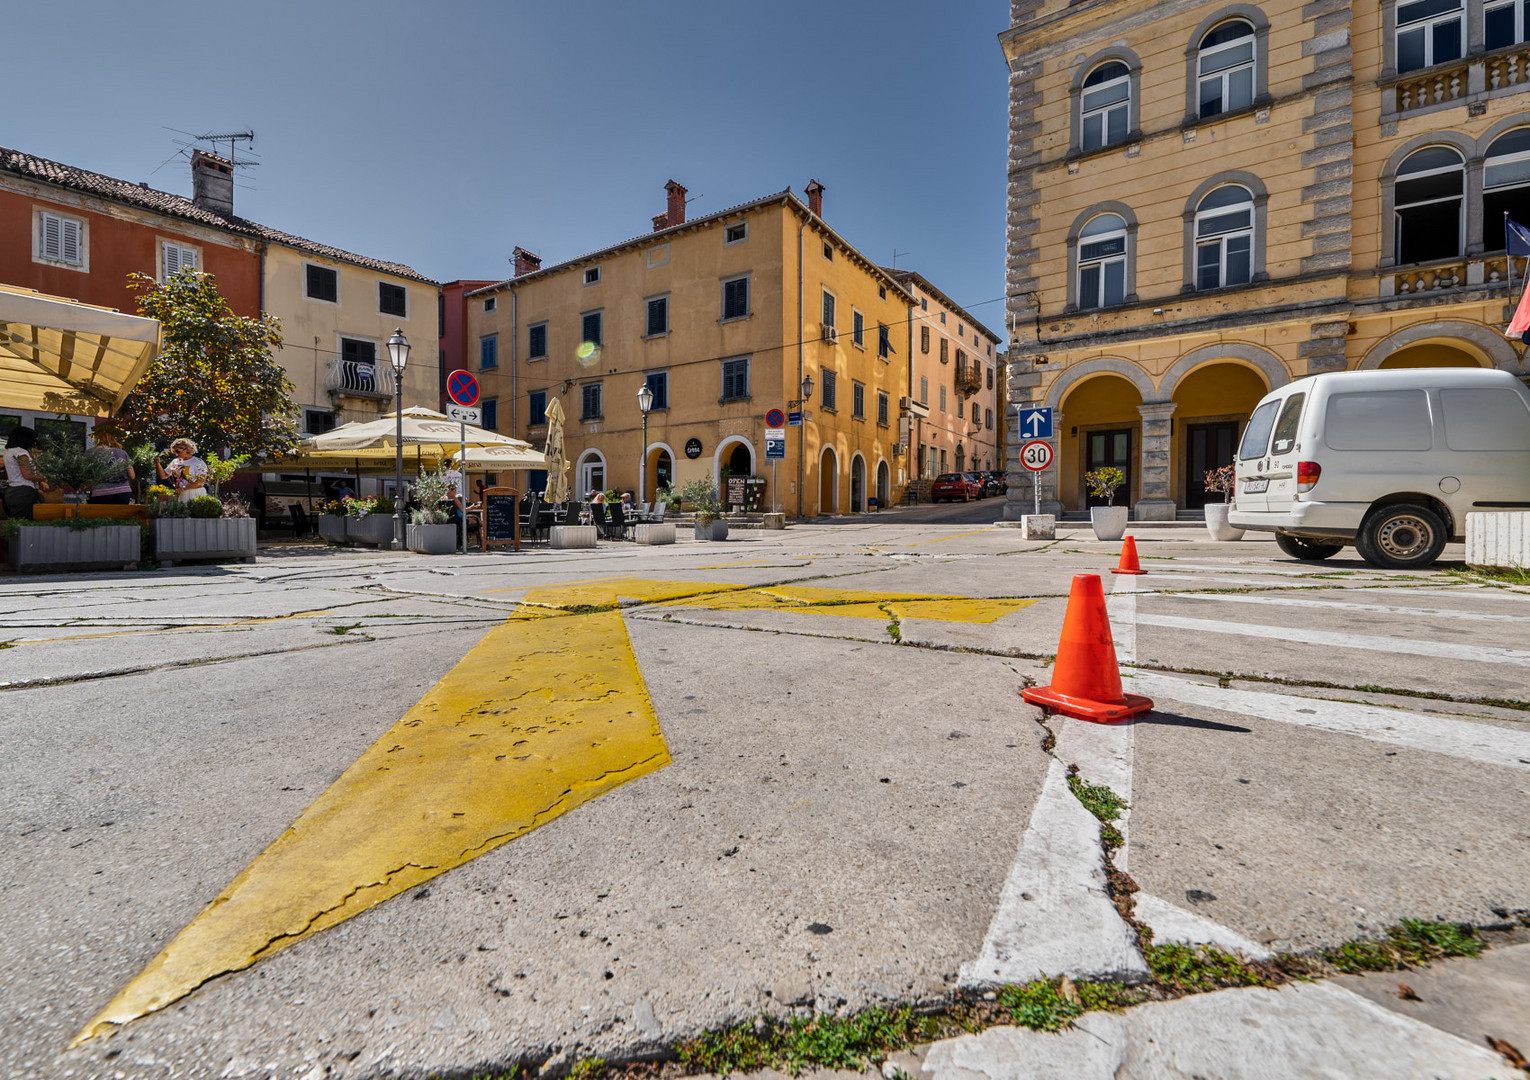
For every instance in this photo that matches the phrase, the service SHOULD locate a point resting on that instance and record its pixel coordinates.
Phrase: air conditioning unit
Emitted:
(898, 450)
(830, 334)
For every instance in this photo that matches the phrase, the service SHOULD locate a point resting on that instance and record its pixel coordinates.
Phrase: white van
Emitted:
(1390, 461)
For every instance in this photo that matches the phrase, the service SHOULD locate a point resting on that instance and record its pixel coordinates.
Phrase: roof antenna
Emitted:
(896, 253)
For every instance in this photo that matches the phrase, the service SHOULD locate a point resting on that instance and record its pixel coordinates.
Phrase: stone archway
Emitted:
(1432, 354)
(884, 484)
(1211, 406)
(661, 470)
(828, 481)
(1101, 425)
(1489, 346)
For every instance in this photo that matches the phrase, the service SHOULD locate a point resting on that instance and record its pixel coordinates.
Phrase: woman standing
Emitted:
(187, 473)
(26, 483)
(119, 489)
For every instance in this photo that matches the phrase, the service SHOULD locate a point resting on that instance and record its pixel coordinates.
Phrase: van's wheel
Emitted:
(1401, 537)
(1301, 548)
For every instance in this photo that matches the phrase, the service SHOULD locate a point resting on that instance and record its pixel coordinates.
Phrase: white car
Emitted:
(1390, 461)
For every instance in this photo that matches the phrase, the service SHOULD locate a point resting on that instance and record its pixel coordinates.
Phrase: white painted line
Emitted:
(1466, 739)
(1122, 609)
(1487, 654)
(1235, 568)
(1172, 924)
(1346, 605)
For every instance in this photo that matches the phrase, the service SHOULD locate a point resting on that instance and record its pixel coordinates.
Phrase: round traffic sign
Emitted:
(1036, 455)
(775, 418)
(462, 388)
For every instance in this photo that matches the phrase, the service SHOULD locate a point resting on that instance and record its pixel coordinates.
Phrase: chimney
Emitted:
(526, 262)
(660, 222)
(212, 183)
(815, 192)
(676, 206)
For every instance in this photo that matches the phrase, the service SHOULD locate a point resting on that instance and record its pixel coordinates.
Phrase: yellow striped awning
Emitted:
(59, 356)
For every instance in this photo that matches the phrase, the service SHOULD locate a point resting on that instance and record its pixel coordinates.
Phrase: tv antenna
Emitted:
(192, 142)
(897, 253)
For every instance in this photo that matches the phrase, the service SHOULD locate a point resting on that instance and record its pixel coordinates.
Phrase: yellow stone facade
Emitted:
(1240, 164)
(722, 356)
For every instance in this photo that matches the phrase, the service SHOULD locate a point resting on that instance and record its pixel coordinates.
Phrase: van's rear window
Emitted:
(1487, 419)
(1285, 430)
(1256, 437)
(1379, 420)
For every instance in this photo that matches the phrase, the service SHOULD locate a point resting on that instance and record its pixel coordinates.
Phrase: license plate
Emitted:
(1254, 487)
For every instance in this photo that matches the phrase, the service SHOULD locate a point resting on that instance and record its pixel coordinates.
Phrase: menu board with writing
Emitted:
(738, 491)
(501, 517)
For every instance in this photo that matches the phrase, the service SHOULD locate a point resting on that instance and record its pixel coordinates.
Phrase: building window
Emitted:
(1505, 185)
(490, 303)
(990, 370)
(924, 303)
(828, 251)
(490, 407)
(536, 341)
(882, 408)
(589, 396)
(1505, 23)
(924, 339)
(538, 412)
(392, 299)
(858, 401)
(592, 276)
(988, 419)
(735, 298)
(658, 385)
(961, 407)
(857, 328)
(990, 348)
(737, 233)
(1429, 32)
(830, 389)
(1102, 262)
(828, 310)
(318, 421)
(942, 318)
(942, 399)
(1225, 69)
(658, 316)
(60, 239)
(323, 284)
(924, 390)
(881, 292)
(1224, 238)
(945, 350)
(590, 327)
(1428, 205)
(1105, 106)
(174, 258)
(884, 342)
(358, 366)
(488, 352)
(735, 379)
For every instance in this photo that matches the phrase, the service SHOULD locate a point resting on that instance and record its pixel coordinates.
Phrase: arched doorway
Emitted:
(828, 481)
(1101, 427)
(1212, 404)
(1431, 354)
(884, 484)
(961, 458)
(589, 474)
(740, 461)
(661, 470)
(857, 485)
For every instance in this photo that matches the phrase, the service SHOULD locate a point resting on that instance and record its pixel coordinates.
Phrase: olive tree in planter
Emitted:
(204, 528)
(430, 531)
(1222, 480)
(1109, 521)
(66, 464)
(702, 495)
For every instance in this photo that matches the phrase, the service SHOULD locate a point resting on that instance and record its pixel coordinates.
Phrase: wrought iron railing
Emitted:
(358, 378)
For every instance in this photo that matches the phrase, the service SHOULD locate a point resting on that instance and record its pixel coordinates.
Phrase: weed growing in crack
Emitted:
(1410, 942)
(1190, 969)
(585, 1068)
(1039, 1006)
(1097, 799)
(820, 1041)
(1109, 996)
(344, 629)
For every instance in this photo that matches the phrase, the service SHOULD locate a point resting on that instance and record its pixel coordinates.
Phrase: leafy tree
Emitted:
(214, 380)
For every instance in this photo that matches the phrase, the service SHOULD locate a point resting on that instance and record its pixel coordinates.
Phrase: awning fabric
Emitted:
(58, 356)
(428, 436)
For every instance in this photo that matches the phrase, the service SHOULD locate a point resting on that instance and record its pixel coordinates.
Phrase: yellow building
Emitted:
(723, 318)
(1208, 200)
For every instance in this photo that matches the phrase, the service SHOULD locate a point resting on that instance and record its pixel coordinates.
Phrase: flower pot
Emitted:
(717, 529)
(332, 528)
(35, 547)
(373, 529)
(431, 539)
(1109, 521)
(176, 539)
(1216, 522)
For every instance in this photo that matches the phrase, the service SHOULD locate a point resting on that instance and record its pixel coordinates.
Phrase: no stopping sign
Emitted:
(1036, 455)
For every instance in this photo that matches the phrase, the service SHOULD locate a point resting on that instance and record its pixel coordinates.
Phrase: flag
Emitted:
(1516, 237)
(1517, 242)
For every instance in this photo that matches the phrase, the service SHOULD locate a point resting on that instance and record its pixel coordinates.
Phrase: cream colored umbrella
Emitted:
(57, 356)
(429, 437)
(495, 458)
(553, 459)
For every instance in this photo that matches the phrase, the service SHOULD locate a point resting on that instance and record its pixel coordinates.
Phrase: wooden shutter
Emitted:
(71, 234)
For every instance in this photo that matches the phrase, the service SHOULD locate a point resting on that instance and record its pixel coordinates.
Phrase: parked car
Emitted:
(954, 485)
(1389, 461)
(994, 482)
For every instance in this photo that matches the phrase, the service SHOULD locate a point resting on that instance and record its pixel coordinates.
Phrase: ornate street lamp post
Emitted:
(398, 356)
(645, 402)
(807, 393)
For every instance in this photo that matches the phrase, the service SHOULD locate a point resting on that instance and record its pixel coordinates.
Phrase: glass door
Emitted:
(1110, 448)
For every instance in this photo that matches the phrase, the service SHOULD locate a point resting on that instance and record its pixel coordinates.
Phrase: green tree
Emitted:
(214, 380)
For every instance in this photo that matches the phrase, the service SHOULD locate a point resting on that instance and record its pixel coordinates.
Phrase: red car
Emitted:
(955, 485)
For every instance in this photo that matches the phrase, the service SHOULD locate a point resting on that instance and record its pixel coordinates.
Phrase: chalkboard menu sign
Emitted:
(501, 517)
(736, 493)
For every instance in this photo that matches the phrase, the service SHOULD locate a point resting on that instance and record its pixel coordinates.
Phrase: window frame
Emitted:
(1493, 242)
(1077, 242)
(828, 396)
(531, 329)
(731, 279)
(828, 314)
(649, 333)
(490, 303)
(884, 406)
(1115, 54)
(1428, 24)
(585, 395)
(1521, 19)
(591, 275)
(924, 391)
(857, 328)
(165, 244)
(535, 419)
(1255, 187)
(383, 284)
(723, 395)
(490, 414)
(729, 239)
(884, 342)
(308, 268)
(660, 379)
(488, 352)
(1222, 240)
(1463, 200)
(1224, 75)
(40, 218)
(857, 399)
(599, 314)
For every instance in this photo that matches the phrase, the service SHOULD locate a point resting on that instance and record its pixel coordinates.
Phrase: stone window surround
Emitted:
(1261, 200)
(1254, 17)
(1133, 64)
(1473, 44)
(1124, 212)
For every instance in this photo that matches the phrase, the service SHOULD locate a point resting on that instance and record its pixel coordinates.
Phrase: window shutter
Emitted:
(172, 259)
(51, 242)
(71, 235)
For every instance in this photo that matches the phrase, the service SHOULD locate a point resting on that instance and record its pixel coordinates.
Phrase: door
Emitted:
(592, 477)
(1207, 447)
(884, 487)
(857, 486)
(1110, 448)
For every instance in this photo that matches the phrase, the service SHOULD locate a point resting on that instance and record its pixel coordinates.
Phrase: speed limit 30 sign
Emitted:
(1036, 455)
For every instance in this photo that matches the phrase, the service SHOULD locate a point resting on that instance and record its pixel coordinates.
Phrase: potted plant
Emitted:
(332, 521)
(204, 528)
(66, 464)
(369, 521)
(1109, 521)
(702, 495)
(430, 531)
(1223, 480)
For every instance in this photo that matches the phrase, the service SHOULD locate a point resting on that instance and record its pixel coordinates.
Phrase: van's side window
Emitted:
(1285, 430)
(1256, 437)
(1379, 420)
(1485, 420)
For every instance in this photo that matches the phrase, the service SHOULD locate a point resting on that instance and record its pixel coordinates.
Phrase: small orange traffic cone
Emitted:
(1129, 564)
(1086, 683)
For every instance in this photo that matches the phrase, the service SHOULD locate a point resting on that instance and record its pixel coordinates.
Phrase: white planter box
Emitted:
(1498, 540)
(1216, 522)
(203, 538)
(35, 547)
(715, 530)
(655, 534)
(1109, 522)
(572, 536)
(332, 528)
(374, 529)
(1038, 527)
(431, 539)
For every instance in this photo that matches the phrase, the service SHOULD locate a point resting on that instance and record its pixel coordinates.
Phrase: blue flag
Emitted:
(1516, 237)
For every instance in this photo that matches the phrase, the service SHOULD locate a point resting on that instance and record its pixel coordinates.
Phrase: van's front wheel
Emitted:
(1301, 548)
(1401, 537)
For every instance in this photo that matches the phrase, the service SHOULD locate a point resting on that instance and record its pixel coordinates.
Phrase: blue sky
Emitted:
(443, 134)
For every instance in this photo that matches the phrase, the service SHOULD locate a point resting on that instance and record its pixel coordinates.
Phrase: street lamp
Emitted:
(645, 402)
(398, 356)
(807, 393)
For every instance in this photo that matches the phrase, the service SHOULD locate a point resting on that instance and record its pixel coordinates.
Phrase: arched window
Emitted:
(1429, 32)
(1102, 262)
(1505, 23)
(1224, 237)
(1428, 204)
(1225, 69)
(1505, 186)
(1105, 106)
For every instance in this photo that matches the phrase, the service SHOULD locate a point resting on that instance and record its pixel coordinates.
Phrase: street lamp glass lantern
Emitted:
(645, 399)
(807, 388)
(398, 350)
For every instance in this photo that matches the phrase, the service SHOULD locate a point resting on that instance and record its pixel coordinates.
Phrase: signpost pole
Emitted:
(462, 480)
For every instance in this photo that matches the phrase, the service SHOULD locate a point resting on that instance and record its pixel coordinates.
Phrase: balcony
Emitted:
(969, 376)
(1482, 271)
(359, 379)
(1460, 82)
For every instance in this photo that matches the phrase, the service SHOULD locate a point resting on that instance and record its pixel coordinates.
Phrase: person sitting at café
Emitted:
(25, 484)
(119, 489)
(187, 473)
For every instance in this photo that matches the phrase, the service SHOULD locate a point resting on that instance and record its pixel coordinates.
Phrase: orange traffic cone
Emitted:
(1086, 682)
(1129, 564)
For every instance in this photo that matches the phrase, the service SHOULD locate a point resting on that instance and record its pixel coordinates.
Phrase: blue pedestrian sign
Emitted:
(1036, 423)
(775, 449)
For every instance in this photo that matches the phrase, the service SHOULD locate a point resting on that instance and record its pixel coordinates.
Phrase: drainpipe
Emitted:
(908, 451)
(515, 337)
(801, 371)
(262, 249)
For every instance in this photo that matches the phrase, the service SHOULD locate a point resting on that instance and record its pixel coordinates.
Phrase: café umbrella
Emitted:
(427, 435)
(553, 459)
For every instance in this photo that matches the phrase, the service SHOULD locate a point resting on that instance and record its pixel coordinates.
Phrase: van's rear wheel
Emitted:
(1301, 548)
(1401, 537)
